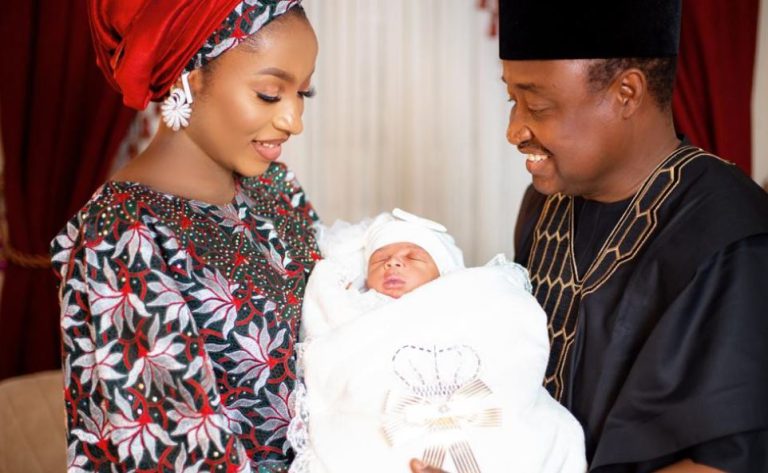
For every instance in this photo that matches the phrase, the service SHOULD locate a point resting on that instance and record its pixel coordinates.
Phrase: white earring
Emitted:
(176, 108)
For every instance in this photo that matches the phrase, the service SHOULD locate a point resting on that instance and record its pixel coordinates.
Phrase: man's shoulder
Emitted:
(718, 192)
(712, 206)
(710, 169)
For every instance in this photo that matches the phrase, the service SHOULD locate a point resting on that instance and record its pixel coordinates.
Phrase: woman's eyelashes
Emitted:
(308, 94)
(268, 98)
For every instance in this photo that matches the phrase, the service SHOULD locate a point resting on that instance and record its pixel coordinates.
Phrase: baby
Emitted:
(406, 354)
(405, 251)
(373, 263)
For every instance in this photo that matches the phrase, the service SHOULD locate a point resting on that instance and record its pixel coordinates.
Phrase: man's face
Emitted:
(569, 133)
(399, 268)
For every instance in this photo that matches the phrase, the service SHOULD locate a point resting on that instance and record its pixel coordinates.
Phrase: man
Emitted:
(649, 256)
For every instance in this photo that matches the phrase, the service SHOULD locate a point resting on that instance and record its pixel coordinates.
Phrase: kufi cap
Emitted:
(545, 29)
(142, 46)
(401, 226)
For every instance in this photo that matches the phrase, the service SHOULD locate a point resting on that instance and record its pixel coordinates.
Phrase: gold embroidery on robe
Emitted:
(552, 266)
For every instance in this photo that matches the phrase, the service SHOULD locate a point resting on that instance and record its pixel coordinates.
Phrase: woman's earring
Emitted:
(176, 108)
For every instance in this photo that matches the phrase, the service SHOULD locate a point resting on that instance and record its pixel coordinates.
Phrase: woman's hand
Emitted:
(417, 466)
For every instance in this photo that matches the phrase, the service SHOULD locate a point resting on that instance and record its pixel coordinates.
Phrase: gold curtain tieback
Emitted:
(19, 258)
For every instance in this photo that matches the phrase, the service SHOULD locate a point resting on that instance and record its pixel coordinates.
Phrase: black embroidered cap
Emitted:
(592, 29)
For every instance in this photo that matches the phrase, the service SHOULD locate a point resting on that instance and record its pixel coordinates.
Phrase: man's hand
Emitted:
(418, 466)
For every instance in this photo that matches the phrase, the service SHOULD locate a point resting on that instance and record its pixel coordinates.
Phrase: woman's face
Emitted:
(251, 99)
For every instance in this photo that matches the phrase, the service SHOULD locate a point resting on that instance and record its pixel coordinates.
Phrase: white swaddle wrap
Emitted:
(450, 373)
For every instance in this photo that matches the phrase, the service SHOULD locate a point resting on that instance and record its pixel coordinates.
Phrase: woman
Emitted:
(182, 278)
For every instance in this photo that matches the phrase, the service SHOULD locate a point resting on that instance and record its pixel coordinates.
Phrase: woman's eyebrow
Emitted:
(277, 72)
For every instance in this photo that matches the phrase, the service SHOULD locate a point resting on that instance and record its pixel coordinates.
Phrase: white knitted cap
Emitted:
(401, 226)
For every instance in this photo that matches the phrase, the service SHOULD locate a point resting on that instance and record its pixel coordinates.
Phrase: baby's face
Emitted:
(399, 268)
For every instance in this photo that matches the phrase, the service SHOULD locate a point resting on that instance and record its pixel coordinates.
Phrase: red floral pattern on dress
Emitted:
(179, 321)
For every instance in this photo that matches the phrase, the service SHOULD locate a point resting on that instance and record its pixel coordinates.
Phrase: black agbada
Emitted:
(660, 333)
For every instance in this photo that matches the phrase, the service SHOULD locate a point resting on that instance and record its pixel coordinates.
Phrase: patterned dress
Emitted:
(179, 321)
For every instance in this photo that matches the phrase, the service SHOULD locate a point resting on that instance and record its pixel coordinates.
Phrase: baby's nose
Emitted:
(393, 263)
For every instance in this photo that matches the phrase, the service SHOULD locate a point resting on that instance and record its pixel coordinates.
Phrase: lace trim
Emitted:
(298, 431)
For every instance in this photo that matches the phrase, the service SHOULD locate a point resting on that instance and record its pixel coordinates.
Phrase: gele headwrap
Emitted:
(143, 46)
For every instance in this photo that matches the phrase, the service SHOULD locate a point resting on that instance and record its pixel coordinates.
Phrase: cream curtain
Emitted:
(411, 113)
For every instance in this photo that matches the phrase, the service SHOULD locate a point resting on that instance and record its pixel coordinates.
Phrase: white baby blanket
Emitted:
(450, 373)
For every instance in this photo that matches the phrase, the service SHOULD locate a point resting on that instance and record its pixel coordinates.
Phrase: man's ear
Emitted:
(631, 88)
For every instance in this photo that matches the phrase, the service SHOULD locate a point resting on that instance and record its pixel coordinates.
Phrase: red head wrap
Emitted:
(142, 46)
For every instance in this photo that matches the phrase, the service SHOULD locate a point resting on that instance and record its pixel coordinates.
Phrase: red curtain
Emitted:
(61, 124)
(713, 96)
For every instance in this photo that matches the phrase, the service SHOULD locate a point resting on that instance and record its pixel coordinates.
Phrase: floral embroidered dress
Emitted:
(179, 321)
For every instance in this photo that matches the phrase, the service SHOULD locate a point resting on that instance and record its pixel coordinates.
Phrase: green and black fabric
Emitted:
(658, 333)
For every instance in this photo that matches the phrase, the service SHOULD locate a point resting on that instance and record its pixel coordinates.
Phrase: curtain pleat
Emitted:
(61, 124)
(713, 97)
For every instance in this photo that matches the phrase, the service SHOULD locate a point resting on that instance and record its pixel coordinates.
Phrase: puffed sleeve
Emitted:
(140, 389)
(699, 385)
